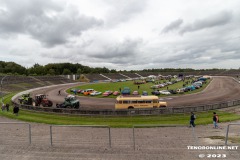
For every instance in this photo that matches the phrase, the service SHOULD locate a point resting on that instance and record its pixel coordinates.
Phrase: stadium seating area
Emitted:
(95, 77)
(18, 83)
(114, 76)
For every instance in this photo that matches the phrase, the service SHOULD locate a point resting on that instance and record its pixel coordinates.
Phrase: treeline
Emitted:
(69, 68)
(50, 69)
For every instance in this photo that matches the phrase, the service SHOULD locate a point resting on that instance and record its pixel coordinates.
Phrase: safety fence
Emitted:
(78, 133)
(228, 129)
(146, 137)
(125, 112)
(16, 134)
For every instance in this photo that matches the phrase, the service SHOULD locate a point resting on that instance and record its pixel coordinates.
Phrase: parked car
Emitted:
(155, 86)
(88, 91)
(107, 93)
(79, 91)
(126, 91)
(166, 92)
(144, 93)
(173, 91)
(115, 93)
(197, 86)
(191, 88)
(135, 93)
(169, 83)
(202, 79)
(73, 90)
(156, 93)
(161, 85)
(95, 93)
(180, 90)
(198, 83)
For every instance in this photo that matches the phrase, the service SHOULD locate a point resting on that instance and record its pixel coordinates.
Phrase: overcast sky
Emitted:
(122, 34)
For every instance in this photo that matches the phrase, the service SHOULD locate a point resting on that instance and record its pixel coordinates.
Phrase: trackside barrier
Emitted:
(160, 125)
(237, 124)
(29, 128)
(131, 112)
(93, 126)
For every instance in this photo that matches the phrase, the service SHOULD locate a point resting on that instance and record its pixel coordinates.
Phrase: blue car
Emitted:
(191, 88)
(126, 91)
(144, 93)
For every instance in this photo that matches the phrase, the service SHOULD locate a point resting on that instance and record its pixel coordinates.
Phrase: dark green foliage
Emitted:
(12, 68)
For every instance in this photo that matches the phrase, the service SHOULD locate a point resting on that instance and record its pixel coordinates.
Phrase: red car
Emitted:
(135, 93)
(107, 93)
(115, 93)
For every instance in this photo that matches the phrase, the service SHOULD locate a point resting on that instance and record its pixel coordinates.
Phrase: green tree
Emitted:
(66, 72)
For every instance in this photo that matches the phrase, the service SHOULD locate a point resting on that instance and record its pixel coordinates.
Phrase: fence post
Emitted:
(30, 134)
(226, 139)
(133, 138)
(51, 135)
(109, 132)
(194, 135)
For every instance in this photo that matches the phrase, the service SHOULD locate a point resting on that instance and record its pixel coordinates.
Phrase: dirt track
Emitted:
(220, 89)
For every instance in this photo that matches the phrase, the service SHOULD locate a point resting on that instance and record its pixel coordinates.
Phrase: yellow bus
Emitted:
(130, 102)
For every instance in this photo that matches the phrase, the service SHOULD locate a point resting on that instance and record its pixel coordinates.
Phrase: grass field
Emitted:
(114, 86)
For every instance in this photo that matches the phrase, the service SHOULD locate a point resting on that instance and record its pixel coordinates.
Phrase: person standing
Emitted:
(16, 110)
(3, 107)
(59, 92)
(215, 120)
(192, 120)
(7, 107)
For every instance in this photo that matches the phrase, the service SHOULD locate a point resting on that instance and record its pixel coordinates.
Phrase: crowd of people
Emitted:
(5, 107)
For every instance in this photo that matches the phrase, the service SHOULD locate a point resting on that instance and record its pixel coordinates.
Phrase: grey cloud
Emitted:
(219, 19)
(172, 26)
(122, 11)
(24, 17)
(124, 52)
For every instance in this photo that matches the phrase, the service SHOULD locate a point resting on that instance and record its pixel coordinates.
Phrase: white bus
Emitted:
(130, 102)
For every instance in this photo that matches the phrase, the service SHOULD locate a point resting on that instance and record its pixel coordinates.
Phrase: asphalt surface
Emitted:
(220, 89)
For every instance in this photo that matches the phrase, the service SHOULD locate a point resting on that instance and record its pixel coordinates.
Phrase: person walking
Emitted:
(192, 120)
(215, 120)
(59, 92)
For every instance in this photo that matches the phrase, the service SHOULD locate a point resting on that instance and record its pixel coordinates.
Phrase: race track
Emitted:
(220, 89)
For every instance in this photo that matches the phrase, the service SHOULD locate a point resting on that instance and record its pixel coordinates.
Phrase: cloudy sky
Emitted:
(122, 34)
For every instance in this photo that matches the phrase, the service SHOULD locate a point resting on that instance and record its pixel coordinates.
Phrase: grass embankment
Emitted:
(123, 121)
(115, 86)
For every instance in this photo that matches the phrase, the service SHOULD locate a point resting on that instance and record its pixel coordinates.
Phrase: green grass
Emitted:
(112, 121)
(114, 86)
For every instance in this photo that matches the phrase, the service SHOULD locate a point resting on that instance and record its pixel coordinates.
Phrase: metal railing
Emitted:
(29, 129)
(92, 126)
(161, 125)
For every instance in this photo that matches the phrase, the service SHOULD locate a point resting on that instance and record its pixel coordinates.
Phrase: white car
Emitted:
(95, 93)
(166, 92)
